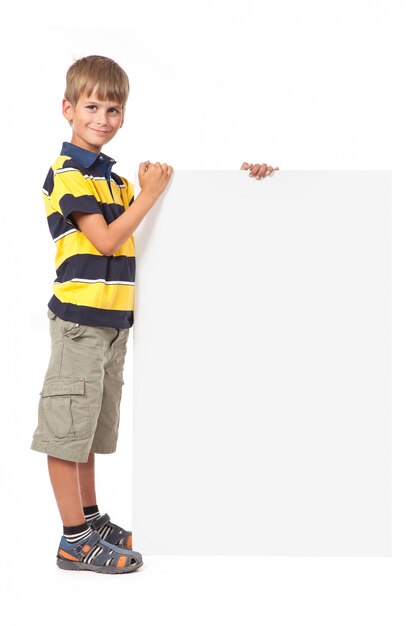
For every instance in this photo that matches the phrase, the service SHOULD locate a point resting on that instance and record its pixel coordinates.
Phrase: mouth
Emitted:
(99, 132)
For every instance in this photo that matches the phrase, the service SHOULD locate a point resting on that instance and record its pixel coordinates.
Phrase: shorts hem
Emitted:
(59, 452)
(103, 449)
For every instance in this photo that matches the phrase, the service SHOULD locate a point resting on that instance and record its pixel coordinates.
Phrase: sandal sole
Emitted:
(100, 569)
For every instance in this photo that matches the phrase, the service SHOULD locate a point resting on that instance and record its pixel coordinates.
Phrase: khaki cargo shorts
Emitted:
(79, 405)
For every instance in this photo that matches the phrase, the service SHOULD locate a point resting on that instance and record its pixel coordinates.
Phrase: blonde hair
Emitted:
(97, 74)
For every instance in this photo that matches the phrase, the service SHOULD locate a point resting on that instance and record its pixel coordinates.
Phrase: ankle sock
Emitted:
(91, 513)
(77, 534)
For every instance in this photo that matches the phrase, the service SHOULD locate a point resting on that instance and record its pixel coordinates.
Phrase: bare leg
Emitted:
(86, 480)
(64, 479)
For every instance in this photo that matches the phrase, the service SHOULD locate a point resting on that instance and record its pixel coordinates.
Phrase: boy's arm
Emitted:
(107, 238)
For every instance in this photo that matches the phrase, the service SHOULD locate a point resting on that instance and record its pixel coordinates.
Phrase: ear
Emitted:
(67, 109)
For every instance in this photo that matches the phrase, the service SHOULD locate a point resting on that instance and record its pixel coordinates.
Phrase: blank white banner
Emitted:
(262, 374)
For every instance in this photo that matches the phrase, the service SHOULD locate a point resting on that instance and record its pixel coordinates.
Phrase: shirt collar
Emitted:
(86, 158)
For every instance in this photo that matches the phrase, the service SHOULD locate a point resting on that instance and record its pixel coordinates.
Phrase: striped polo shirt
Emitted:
(90, 288)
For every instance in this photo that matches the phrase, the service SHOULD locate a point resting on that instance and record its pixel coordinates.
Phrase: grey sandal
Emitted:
(97, 555)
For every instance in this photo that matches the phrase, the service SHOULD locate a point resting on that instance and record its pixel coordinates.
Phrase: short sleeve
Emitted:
(72, 192)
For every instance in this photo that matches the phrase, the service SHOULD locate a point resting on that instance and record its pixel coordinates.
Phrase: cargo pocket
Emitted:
(65, 408)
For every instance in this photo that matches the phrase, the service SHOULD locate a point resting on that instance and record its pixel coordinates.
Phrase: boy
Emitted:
(92, 215)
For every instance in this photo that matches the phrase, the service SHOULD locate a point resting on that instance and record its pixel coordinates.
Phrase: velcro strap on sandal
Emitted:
(100, 521)
(90, 543)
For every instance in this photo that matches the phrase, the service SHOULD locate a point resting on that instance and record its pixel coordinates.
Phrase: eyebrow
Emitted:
(100, 102)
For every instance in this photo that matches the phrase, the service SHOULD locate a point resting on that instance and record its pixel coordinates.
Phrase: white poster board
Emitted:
(262, 381)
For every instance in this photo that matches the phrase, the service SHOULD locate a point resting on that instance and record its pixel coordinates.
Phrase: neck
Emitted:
(83, 144)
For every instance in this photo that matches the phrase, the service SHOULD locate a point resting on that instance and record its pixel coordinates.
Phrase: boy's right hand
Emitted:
(153, 178)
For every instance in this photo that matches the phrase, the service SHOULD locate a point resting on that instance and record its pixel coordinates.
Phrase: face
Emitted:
(94, 122)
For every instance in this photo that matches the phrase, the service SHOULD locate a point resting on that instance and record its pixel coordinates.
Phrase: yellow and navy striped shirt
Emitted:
(90, 288)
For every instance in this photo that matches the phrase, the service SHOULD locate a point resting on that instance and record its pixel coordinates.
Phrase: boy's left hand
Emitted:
(260, 171)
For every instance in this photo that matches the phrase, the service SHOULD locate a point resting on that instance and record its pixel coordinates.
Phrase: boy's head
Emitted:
(94, 101)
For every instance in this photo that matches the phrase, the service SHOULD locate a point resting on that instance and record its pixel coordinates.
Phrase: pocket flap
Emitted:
(63, 386)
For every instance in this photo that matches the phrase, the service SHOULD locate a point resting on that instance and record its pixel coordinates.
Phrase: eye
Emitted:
(91, 106)
(114, 110)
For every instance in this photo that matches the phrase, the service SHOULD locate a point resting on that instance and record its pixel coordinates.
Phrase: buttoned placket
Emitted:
(107, 173)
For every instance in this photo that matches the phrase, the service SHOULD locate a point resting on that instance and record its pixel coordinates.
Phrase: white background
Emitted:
(301, 85)
(262, 366)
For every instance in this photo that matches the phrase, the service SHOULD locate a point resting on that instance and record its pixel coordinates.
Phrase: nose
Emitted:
(101, 118)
